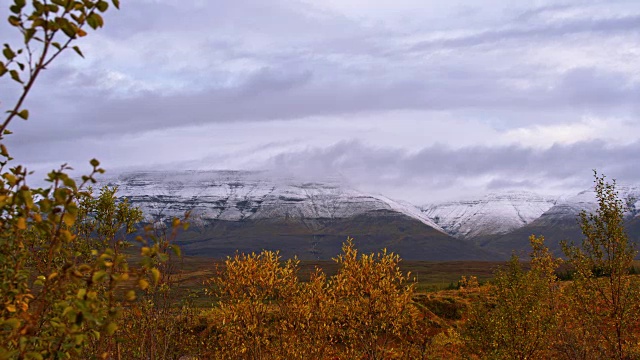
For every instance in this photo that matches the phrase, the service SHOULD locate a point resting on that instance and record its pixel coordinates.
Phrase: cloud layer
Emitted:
(435, 99)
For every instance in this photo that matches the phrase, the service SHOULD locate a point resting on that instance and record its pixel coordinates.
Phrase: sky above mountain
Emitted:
(420, 100)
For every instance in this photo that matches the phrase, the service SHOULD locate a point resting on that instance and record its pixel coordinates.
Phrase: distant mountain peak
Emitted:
(494, 213)
(241, 195)
(253, 210)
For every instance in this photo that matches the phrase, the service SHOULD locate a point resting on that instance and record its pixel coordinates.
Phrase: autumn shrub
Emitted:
(601, 318)
(252, 296)
(365, 311)
(593, 315)
(162, 323)
(63, 267)
(65, 277)
(517, 319)
(373, 303)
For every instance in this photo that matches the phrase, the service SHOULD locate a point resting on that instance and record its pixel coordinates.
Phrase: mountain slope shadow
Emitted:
(555, 229)
(322, 238)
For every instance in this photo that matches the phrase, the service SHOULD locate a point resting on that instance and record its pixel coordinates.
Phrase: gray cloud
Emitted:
(622, 24)
(275, 94)
(160, 67)
(506, 184)
(348, 70)
(439, 168)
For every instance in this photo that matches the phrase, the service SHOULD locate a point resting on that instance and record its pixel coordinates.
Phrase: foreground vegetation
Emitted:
(370, 309)
(72, 286)
(92, 299)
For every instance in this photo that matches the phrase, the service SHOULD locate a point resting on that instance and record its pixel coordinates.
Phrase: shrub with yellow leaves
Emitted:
(263, 311)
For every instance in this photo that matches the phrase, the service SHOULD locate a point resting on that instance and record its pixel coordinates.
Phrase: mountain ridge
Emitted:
(251, 211)
(248, 212)
(492, 214)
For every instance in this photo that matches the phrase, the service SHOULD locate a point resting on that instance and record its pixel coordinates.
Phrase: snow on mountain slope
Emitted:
(560, 223)
(586, 200)
(239, 195)
(490, 215)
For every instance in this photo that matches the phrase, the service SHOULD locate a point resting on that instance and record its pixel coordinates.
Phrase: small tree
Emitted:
(251, 292)
(519, 319)
(61, 261)
(365, 311)
(48, 28)
(373, 303)
(604, 297)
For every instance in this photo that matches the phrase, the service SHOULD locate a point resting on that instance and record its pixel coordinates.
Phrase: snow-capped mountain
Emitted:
(571, 206)
(239, 195)
(560, 223)
(249, 211)
(493, 214)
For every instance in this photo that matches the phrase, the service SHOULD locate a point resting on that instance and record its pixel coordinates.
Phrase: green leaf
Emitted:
(8, 53)
(3, 69)
(53, 8)
(24, 114)
(14, 20)
(116, 3)
(68, 219)
(94, 163)
(102, 5)
(155, 274)
(176, 250)
(15, 76)
(69, 182)
(28, 35)
(81, 294)
(38, 5)
(98, 276)
(77, 50)
(111, 328)
(95, 20)
(68, 29)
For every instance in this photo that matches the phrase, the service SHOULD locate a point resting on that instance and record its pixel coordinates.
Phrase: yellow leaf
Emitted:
(155, 274)
(11, 308)
(68, 219)
(66, 235)
(111, 328)
(144, 284)
(21, 224)
(98, 276)
(81, 294)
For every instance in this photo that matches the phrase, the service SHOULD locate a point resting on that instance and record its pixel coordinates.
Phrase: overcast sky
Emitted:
(421, 100)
